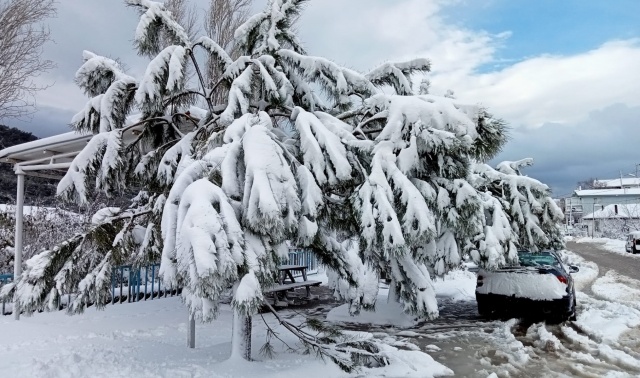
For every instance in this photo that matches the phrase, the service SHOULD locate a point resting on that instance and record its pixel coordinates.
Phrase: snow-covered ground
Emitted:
(148, 339)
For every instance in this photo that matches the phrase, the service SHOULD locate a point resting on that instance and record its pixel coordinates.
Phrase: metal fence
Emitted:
(134, 284)
(4, 279)
(303, 256)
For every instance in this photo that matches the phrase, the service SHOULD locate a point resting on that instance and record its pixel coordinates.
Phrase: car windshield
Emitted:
(536, 259)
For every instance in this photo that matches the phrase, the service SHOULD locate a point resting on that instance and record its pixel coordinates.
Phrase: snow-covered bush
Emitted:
(44, 227)
(303, 151)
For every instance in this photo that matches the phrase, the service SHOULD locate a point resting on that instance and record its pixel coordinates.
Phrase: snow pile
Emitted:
(523, 284)
(386, 313)
(508, 346)
(457, 285)
(543, 338)
(617, 288)
(605, 320)
(599, 352)
(588, 270)
(408, 364)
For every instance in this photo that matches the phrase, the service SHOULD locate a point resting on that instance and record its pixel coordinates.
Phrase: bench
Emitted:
(286, 271)
(284, 286)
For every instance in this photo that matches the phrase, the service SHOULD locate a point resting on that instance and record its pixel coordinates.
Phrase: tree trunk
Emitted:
(241, 337)
(392, 296)
(241, 334)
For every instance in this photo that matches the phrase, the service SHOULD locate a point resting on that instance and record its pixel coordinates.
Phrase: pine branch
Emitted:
(201, 79)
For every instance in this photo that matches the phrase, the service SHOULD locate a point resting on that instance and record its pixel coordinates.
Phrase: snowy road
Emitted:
(603, 342)
(627, 265)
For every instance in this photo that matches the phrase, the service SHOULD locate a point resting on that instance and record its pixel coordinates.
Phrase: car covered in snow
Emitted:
(540, 284)
(632, 244)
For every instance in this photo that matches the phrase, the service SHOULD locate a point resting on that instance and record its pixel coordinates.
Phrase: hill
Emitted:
(37, 190)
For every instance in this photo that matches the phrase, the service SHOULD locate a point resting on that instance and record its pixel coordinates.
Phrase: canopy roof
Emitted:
(54, 153)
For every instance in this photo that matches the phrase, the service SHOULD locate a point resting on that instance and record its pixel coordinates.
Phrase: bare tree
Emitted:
(185, 15)
(22, 37)
(590, 183)
(221, 22)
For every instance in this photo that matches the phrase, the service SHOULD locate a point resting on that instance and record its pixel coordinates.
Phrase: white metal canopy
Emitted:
(48, 154)
(51, 157)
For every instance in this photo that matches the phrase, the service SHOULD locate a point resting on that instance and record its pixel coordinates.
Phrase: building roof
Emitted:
(616, 211)
(618, 183)
(607, 192)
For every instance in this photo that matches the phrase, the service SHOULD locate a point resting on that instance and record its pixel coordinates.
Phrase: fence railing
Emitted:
(4, 279)
(134, 284)
(303, 256)
(141, 283)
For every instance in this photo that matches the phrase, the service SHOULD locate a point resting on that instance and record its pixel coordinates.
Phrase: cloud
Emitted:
(600, 146)
(572, 112)
(47, 121)
(560, 89)
(365, 33)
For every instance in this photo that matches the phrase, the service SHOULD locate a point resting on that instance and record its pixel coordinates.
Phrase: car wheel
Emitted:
(484, 310)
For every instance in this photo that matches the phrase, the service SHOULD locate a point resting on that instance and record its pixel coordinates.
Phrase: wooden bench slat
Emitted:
(293, 285)
(292, 267)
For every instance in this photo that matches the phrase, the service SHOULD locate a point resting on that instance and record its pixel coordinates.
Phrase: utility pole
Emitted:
(593, 219)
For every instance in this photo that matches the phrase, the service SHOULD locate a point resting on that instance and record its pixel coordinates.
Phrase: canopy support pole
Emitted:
(191, 332)
(17, 260)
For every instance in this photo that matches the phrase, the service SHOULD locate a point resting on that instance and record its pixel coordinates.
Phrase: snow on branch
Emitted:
(365, 292)
(89, 118)
(220, 56)
(513, 167)
(270, 190)
(155, 23)
(433, 112)
(111, 92)
(338, 81)
(83, 169)
(155, 82)
(209, 246)
(97, 73)
(322, 150)
(526, 202)
(398, 75)
(269, 31)
(239, 97)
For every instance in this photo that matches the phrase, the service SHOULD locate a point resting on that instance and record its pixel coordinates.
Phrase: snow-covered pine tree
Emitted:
(302, 150)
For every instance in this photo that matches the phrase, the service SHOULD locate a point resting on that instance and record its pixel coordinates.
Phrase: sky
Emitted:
(563, 74)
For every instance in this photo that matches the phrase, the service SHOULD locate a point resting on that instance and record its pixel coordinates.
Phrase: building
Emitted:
(588, 201)
(614, 220)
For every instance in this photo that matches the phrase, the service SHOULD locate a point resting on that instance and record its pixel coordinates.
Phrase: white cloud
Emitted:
(529, 93)
(559, 89)
(364, 33)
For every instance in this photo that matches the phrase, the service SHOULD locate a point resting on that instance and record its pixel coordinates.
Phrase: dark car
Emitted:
(539, 285)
